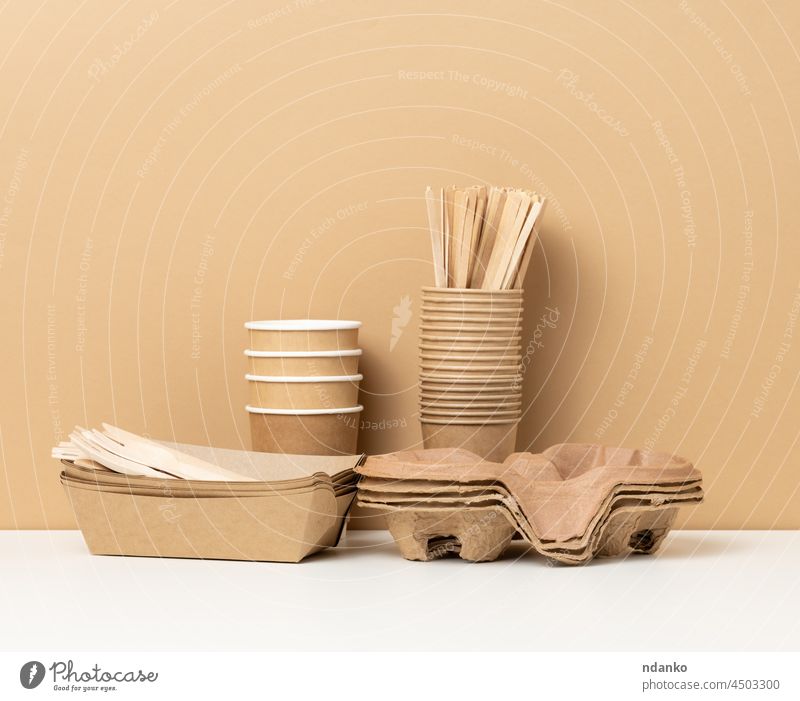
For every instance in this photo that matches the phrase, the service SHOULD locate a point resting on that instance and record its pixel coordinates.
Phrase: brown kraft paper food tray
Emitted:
(278, 519)
(275, 528)
(561, 500)
(344, 500)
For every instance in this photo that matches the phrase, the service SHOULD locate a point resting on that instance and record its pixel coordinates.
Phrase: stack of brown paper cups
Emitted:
(470, 381)
(304, 382)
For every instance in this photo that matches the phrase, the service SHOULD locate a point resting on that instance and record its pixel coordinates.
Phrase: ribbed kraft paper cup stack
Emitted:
(470, 358)
(304, 382)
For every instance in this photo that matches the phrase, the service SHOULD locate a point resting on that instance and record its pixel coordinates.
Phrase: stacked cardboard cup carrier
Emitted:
(572, 503)
(471, 330)
(135, 496)
(304, 382)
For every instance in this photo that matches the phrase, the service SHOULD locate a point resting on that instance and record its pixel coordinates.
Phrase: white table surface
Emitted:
(721, 590)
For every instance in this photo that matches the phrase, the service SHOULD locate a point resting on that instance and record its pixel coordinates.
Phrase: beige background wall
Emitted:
(171, 169)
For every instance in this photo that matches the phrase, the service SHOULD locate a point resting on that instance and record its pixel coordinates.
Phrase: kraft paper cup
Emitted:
(493, 441)
(448, 312)
(480, 421)
(284, 392)
(453, 322)
(479, 402)
(460, 319)
(468, 391)
(303, 335)
(487, 394)
(465, 358)
(459, 316)
(455, 401)
(469, 414)
(467, 309)
(304, 363)
(312, 432)
(454, 377)
(445, 421)
(467, 349)
(490, 310)
(457, 360)
(468, 382)
(469, 295)
(436, 366)
(462, 326)
(471, 340)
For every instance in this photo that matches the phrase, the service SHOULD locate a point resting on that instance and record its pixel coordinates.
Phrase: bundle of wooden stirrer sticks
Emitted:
(482, 237)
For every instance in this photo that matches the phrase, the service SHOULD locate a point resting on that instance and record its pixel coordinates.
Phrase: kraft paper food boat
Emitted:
(572, 503)
(280, 507)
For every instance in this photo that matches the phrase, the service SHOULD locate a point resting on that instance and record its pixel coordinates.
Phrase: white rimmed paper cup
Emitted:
(305, 432)
(303, 334)
(303, 392)
(300, 363)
